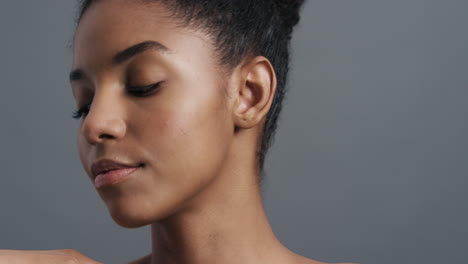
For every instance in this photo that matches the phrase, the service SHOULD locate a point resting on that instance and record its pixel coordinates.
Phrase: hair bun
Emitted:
(289, 12)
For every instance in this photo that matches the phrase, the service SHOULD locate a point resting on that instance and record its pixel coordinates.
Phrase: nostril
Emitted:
(106, 136)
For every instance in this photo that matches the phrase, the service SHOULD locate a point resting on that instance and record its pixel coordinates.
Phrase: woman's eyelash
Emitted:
(81, 112)
(141, 91)
(138, 91)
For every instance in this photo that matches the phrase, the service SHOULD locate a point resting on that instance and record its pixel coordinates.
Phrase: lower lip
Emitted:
(113, 177)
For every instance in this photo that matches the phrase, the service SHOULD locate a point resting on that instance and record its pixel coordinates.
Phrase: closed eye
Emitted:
(142, 91)
(138, 91)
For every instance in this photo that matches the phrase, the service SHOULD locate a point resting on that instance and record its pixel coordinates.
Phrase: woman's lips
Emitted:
(113, 176)
(108, 172)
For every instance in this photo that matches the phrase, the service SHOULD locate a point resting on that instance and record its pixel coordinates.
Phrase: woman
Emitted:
(177, 103)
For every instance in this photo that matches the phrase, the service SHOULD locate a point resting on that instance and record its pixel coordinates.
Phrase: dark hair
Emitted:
(242, 28)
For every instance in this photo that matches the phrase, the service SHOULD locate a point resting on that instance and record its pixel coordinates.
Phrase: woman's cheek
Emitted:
(83, 150)
(189, 140)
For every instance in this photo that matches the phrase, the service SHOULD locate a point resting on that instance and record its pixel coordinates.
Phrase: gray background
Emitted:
(370, 160)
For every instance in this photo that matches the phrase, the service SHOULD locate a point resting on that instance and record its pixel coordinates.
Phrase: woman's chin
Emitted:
(129, 222)
(135, 214)
(132, 218)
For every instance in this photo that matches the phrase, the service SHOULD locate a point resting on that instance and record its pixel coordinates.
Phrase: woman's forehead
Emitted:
(119, 21)
(109, 27)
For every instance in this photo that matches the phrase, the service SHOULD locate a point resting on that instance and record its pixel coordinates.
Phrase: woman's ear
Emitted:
(255, 93)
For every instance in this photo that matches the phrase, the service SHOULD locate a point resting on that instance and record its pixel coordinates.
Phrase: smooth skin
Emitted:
(196, 135)
(62, 256)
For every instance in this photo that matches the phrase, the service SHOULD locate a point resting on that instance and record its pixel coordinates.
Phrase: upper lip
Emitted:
(105, 165)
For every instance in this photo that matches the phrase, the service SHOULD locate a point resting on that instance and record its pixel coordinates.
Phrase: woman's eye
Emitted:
(138, 91)
(142, 91)
(82, 111)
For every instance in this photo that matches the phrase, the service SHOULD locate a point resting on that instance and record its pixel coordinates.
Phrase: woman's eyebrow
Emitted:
(137, 49)
(126, 54)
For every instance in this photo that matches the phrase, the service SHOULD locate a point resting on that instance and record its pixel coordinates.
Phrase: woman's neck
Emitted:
(224, 223)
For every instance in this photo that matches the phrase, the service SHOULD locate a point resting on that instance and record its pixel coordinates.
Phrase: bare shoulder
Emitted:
(310, 261)
(298, 260)
(304, 260)
(143, 260)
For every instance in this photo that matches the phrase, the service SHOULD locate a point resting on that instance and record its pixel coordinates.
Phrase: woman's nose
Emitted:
(104, 121)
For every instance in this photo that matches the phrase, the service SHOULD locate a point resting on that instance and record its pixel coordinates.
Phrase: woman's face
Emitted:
(158, 108)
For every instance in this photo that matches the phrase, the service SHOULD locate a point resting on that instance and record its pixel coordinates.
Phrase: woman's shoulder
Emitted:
(304, 260)
(143, 260)
(318, 262)
(299, 260)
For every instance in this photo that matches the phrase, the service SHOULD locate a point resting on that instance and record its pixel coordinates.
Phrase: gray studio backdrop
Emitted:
(370, 162)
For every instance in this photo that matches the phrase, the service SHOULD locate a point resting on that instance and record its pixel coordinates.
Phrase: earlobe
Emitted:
(256, 92)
